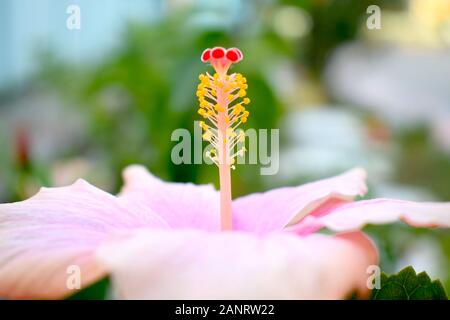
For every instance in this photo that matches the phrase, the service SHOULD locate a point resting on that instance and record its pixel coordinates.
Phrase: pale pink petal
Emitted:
(182, 205)
(354, 216)
(278, 208)
(40, 238)
(189, 264)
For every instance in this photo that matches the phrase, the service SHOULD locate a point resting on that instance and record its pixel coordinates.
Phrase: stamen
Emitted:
(216, 93)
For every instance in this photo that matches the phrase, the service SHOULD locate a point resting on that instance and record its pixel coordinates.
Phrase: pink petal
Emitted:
(278, 208)
(193, 264)
(181, 205)
(59, 227)
(354, 216)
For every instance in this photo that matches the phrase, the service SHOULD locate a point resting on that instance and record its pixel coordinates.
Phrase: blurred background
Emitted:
(87, 102)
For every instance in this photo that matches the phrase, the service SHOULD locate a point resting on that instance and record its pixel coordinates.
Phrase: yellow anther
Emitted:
(242, 93)
(216, 76)
(246, 101)
(205, 82)
(243, 119)
(201, 112)
(203, 125)
(231, 133)
(207, 136)
(237, 108)
(219, 108)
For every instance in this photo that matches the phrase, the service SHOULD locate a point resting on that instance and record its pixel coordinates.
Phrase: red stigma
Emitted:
(232, 55)
(221, 58)
(218, 53)
(206, 55)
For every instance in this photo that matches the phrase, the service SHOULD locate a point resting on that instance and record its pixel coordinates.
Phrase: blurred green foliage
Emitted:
(419, 162)
(334, 22)
(144, 90)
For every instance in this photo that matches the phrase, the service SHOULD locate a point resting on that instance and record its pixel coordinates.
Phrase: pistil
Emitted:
(219, 97)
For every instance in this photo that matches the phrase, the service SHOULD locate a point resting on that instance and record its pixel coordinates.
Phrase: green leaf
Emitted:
(96, 291)
(407, 285)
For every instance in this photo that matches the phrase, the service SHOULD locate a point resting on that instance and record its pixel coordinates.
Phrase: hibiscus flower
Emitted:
(166, 240)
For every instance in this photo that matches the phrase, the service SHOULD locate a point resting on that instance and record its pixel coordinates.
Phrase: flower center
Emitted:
(222, 104)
